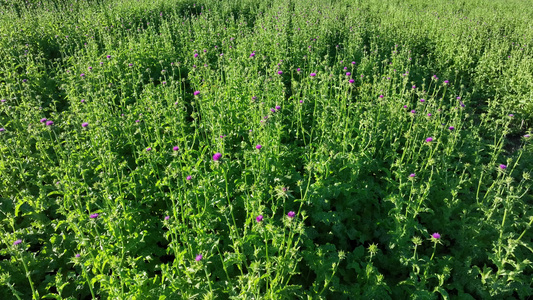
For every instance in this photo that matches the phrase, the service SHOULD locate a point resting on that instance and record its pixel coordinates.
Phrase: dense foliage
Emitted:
(266, 149)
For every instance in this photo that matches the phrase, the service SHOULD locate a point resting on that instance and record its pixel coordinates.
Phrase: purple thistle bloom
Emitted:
(17, 242)
(94, 216)
(301, 101)
(405, 106)
(272, 110)
(259, 218)
(109, 56)
(462, 104)
(278, 107)
(78, 255)
(381, 96)
(451, 128)
(137, 121)
(413, 111)
(43, 120)
(351, 81)
(195, 55)
(258, 147)
(90, 68)
(436, 235)
(196, 93)
(130, 65)
(291, 214)
(82, 100)
(527, 136)
(511, 115)
(189, 177)
(84, 124)
(24, 80)
(503, 167)
(167, 217)
(199, 257)
(148, 149)
(312, 74)
(429, 114)
(252, 54)
(175, 148)
(429, 139)
(298, 70)
(414, 86)
(422, 100)
(217, 156)
(348, 73)
(82, 74)
(412, 175)
(49, 123)
(280, 72)
(446, 82)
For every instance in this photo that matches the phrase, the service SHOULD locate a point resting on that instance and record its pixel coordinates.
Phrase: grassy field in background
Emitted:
(267, 149)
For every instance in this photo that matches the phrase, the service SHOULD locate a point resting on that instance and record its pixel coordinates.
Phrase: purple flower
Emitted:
(195, 55)
(298, 70)
(90, 68)
(503, 167)
(405, 106)
(137, 121)
(446, 82)
(312, 74)
(148, 149)
(217, 156)
(175, 148)
(167, 217)
(82, 100)
(196, 93)
(381, 96)
(43, 120)
(412, 175)
(272, 110)
(413, 111)
(422, 100)
(17, 242)
(259, 218)
(130, 65)
(353, 62)
(301, 101)
(94, 216)
(84, 124)
(348, 73)
(49, 123)
(278, 107)
(78, 255)
(414, 86)
(436, 235)
(351, 81)
(429, 114)
(252, 54)
(451, 128)
(258, 147)
(291, 214)
(511, 115)
(82, 74)
(526, 136)
(280, 72)
(429, 139)
(189, 177)
(199, 257)
(109, 56)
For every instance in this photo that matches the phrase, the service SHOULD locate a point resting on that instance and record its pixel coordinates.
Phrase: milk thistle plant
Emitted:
(169, 149)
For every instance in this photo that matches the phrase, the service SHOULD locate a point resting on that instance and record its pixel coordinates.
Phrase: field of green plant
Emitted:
(266, 149)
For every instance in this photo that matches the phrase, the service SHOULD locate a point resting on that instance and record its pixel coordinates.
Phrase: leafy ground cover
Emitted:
(266, 149)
